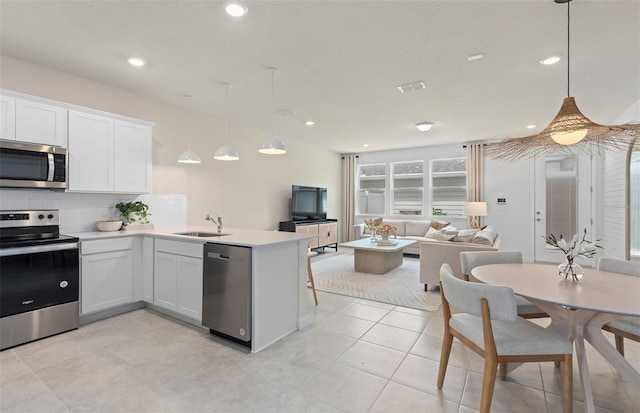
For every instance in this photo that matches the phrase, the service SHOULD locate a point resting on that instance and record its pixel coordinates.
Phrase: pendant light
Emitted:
(570, 131)
(189, 156)
(226, 152)
(272, 146)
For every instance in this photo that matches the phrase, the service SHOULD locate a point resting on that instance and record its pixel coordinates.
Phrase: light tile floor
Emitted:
(356, 356)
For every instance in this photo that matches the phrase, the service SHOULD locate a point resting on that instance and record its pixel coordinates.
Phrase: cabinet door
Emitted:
(107, 280)
(164, 280)
(328, 233)
(147, 269)
(41, 123)
(132, 157)
(189, 287)
(311, 230)
(7, 117)
(90, 152)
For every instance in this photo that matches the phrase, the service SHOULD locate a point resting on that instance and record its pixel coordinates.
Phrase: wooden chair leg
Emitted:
(310, 277)
(425, 287)
(488, 382)
(567, 384)
(503, 371)
(620, 344)
(447, 341)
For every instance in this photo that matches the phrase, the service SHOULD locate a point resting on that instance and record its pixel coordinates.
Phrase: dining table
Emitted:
(578, 309)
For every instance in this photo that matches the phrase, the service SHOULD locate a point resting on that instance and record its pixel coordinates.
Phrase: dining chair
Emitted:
(490, 326)
(627, 327)
(470, 260)
(310, 254)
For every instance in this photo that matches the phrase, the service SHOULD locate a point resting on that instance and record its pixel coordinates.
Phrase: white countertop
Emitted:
(238, 236)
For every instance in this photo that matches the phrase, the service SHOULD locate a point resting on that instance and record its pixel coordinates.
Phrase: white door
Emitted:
(107, 280)
(132, 157)
(90, 152)
(563, 202)
(41, 123)
(7, 118)
(164, 280)
(189, 287)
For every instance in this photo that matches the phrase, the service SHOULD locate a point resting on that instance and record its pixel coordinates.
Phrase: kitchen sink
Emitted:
(202, 234)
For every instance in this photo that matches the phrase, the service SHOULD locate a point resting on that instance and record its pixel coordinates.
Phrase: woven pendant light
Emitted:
(570, 131)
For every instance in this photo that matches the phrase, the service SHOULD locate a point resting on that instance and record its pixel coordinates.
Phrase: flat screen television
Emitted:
(308, 203)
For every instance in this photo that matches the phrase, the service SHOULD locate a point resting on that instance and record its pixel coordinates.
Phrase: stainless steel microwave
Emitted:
(25, 165)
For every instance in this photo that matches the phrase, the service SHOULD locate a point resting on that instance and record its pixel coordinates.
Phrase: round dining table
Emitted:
(578, 309)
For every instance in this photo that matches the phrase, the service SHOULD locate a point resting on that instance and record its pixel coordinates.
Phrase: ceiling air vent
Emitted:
(412, 87)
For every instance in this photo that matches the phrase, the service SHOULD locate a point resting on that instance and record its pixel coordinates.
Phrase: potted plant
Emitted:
(133, 212)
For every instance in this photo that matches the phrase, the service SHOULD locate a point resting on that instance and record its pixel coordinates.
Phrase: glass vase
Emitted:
(571, 270)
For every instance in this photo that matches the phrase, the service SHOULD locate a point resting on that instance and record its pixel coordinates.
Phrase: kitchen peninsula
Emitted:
(162, 269)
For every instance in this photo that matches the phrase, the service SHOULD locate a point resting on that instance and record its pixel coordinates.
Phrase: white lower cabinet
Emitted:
(177, 284)
(107, 274)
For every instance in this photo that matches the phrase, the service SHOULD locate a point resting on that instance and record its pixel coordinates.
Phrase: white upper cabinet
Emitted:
(90, 152)
(7, 117)
(132, 145)
(31, 121)
(108, 154)
(41, 123)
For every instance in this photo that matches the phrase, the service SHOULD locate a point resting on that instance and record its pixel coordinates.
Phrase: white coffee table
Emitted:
(372, 258)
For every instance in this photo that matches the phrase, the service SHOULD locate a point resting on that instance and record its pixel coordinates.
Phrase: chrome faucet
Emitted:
(218, 221)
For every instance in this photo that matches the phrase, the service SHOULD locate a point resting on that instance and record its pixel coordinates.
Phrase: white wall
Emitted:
(253, 192)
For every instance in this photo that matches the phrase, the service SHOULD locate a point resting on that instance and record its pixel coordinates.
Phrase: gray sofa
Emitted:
(434, 254)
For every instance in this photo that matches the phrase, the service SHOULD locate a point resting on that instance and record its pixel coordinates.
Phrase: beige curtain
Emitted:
(349, 164)
(475, 174)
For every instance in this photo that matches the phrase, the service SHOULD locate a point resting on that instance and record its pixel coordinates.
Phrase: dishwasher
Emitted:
(226, 292)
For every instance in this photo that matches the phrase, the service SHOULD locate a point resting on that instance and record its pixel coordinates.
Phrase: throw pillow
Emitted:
(483, 237)
(465, 235)
(444, 237)
(431, 233)
(438, 224)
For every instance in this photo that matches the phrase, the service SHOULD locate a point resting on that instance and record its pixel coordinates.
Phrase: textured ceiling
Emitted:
(340, 62)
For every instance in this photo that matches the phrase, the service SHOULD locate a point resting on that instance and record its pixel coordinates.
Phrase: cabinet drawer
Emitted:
(106, 245)
(188, 249)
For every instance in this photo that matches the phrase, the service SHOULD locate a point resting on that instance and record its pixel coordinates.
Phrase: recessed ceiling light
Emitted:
(309, 123)
(136, 61)
(365, 145)
(477, 56)
(424, 126)
(531, 126)
(552, 60)
(236, 9)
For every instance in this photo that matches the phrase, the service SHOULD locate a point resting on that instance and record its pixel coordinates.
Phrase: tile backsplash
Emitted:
(79, 212)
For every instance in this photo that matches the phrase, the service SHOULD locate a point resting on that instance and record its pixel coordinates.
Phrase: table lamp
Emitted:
(475, 210)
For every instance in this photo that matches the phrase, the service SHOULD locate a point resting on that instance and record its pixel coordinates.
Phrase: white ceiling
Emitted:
(340, 62)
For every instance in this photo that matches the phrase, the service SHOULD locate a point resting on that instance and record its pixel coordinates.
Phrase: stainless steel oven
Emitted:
(39, 277)
(24, 165)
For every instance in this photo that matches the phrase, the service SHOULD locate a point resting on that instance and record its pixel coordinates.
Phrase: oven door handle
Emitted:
(38, 248)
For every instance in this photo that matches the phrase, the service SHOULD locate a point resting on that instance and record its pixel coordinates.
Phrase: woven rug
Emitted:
(400, 286)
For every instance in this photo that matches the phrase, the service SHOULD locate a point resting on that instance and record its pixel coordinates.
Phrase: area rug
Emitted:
(400, 286)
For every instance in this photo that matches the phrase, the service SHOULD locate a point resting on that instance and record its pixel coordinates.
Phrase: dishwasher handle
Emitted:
(217, 256)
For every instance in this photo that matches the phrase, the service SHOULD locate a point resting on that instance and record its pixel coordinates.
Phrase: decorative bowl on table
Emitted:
(107, 226)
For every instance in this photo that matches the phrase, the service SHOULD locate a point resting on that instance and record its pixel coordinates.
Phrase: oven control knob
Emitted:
(40, 216)
(50, 216)
(64, 284)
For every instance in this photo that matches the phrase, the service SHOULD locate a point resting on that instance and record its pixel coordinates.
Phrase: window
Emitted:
(372, 181)
(448, 186)
(407, 188)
